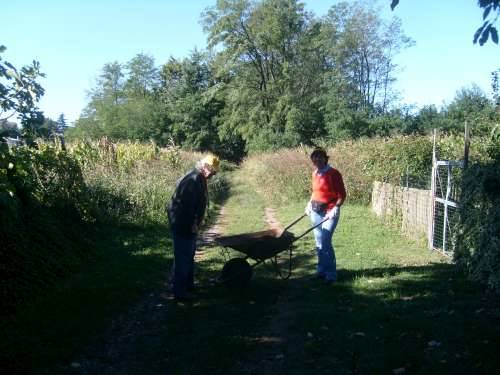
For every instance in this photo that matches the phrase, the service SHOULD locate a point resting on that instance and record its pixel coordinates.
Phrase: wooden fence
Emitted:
(412, 207)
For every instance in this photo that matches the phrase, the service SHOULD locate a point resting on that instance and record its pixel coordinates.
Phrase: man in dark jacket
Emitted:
(185, 214)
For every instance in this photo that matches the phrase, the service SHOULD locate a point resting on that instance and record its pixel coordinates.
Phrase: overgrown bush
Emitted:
(46, 176)
(477, 236)
(477, 233)
(44, 208)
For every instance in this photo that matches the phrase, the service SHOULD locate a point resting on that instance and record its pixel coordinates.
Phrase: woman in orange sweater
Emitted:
(328, 194)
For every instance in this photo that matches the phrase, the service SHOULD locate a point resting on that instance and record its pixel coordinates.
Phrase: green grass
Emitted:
(396, 305)
(129, 261)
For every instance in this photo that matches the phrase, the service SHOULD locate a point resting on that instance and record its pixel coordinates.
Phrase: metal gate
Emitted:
(445, 202)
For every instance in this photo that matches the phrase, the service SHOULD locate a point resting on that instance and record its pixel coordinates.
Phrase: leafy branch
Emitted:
(488, 28)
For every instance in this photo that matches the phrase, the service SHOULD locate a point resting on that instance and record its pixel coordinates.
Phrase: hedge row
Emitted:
(286, 174)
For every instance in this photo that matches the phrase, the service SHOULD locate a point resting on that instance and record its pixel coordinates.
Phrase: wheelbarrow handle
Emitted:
(310, 229)
(295, 222)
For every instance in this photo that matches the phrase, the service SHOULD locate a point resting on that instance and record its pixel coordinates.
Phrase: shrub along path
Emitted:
(396, 309)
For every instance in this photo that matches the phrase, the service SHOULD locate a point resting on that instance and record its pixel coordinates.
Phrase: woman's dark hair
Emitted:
(318, 151)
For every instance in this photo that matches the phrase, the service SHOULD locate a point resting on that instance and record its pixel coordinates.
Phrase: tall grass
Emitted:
(285, 174)
(280, 176)
(133, 182)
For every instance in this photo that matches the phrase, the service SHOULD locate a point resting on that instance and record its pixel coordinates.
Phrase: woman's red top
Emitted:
(328, 187)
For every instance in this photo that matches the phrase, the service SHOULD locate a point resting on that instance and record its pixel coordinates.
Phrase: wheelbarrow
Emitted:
(258, 247)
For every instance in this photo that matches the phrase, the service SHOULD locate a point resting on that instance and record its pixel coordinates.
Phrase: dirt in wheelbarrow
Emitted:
(133, 335)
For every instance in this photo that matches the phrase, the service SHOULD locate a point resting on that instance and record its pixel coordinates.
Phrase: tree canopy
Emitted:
(273, 75)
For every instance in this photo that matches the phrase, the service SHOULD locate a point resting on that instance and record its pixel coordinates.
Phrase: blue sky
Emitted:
(72, 40)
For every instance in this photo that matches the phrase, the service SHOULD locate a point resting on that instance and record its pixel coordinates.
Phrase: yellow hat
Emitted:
(212, 161)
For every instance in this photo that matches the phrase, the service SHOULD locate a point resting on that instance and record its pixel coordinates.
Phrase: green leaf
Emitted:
(478, 32)
(494, 34)
(485, 35)
(487, 11)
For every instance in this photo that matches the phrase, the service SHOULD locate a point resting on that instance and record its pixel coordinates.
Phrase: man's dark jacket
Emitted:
(188, 204)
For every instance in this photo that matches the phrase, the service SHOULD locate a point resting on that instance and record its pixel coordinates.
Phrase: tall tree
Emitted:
(360, 48)
(471, 104)
(143, 77)
(61, 124)
(102, 114)
(363, 46)
(259, 50)
(189, 94)
(110, 84)
(123, 104)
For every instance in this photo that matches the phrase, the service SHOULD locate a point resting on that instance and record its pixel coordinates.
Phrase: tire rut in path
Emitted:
(279, 343)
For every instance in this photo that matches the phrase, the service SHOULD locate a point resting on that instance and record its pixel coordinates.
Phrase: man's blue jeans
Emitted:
(183, 268)
(327, 265)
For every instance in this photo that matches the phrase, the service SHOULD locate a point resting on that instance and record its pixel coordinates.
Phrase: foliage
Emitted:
(472, 105)
(477, 236)
(122, 106)
(288, 77)
(132, 181)
(363, 47)
(62, 124)
(274, 76)
(280, 176)
(45, 176)
(493, 146)
(20, 93)
(50, 196)
(397, 160)
(189, 94)
(9, 129)
(44, 214)
(488, 29)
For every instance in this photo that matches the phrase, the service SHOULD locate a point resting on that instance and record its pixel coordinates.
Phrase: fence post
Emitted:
(433, 193)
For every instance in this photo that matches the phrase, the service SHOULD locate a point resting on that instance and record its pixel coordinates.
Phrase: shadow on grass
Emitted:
(127, 261)
(425, 319)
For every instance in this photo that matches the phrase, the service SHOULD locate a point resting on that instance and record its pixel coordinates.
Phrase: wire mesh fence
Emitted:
(446, 197)
(445, 217)
(426, 208)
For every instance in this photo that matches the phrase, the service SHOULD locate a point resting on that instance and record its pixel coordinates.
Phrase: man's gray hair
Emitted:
(199, 165)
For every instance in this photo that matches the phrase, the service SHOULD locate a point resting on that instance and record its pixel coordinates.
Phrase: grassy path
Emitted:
(396, 306)
(396, 309)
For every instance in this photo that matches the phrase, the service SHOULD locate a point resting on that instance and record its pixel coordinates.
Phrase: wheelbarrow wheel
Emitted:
(236, 273)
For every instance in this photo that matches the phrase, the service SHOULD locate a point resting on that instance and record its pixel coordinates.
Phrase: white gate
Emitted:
(445, 196)
(445, 183)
